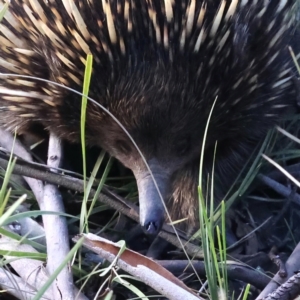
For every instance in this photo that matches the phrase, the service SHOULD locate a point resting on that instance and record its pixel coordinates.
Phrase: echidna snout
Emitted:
(152, 210)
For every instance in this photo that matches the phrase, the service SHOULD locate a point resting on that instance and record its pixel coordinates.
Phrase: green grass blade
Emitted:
(86, 87)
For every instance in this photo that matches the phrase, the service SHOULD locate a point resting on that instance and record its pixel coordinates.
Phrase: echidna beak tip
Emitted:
(153, 227)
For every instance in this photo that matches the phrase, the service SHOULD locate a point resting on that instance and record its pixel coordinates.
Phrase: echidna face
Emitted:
(167, 127)
(164, 155)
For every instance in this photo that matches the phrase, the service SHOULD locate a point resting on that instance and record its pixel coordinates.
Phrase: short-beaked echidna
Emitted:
(158, 66)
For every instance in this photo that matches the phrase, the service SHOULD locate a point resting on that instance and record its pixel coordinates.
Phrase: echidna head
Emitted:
(161, 113)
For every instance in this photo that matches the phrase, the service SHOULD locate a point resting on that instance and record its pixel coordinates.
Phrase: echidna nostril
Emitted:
(153, 227)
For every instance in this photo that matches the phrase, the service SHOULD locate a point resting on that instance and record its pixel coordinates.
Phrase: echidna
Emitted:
(159, 66)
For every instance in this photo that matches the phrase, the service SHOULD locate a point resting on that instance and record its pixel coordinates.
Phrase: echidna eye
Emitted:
(123, 147)
(183, 147)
